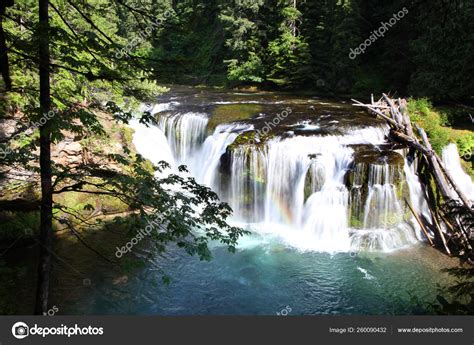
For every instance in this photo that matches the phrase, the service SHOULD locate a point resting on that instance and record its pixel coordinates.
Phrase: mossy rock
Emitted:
(373, 156)
(355, 222)
(357, 180)
(313, 183)
(365, 156)
(358, 196)
(228, 113)
(250, 139)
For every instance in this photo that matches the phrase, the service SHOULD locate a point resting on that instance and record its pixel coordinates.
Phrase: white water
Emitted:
(205, 163)
(452, 162)
(184, 132)
(151, 143)
(417, 198)
(382, 207)
(293, 188)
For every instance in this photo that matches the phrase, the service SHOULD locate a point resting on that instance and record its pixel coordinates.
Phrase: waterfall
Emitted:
(293, 186)
(417, 197)
(382, 208)
(268, 188)
(248, 170)
(383, 226)
(184, 132)
(452, 162)
(151, 143)
(205, 163)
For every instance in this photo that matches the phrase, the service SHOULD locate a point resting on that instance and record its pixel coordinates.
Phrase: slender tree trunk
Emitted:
(4, 58)
(46, 232)
(4, 65)
(294, 22)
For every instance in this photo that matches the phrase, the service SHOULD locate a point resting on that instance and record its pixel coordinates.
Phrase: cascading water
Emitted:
(184, 132)
(247, 191)
(294, 186)
(205, 163)
(417, 197)
(384, 226)
(382, 208)
(148, 139)
(320, 222)
(452, 162)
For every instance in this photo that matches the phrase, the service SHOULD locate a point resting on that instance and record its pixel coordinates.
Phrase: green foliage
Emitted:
(190, 46)
(15, 225)
(243, 41)
(250, 70)
(435, 124)
(461, 300)
(368, 82)
(290, 58)
(443, 51)
(99, 77)
(302, 44)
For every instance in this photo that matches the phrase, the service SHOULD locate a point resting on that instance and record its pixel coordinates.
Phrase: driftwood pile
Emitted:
(449, 231)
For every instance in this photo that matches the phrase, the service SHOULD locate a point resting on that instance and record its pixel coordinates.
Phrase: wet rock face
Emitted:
(365, 156)
(315, 177)
(377, 155)
(225, 163)
(377, 188)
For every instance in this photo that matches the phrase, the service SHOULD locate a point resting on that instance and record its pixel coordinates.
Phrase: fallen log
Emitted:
(395, 114)
(406, 118)
(409, 141)
(449, 177)
(437, 172)
(401, 131)
(385, 117)
(434, 216)
(422, 226)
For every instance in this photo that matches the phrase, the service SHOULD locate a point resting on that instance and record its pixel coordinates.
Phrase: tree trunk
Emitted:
(293, 24)
(46, 232)
(436, 172)
(5, 69)
(4, 58)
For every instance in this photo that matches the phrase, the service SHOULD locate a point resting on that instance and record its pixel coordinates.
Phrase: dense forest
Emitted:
(416, 48)
(76, 71)
(307, 45)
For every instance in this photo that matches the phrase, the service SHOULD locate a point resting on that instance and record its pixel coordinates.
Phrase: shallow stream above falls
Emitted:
(323, 194)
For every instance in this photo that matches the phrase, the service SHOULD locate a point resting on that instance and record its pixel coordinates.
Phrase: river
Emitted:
(322, 192)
